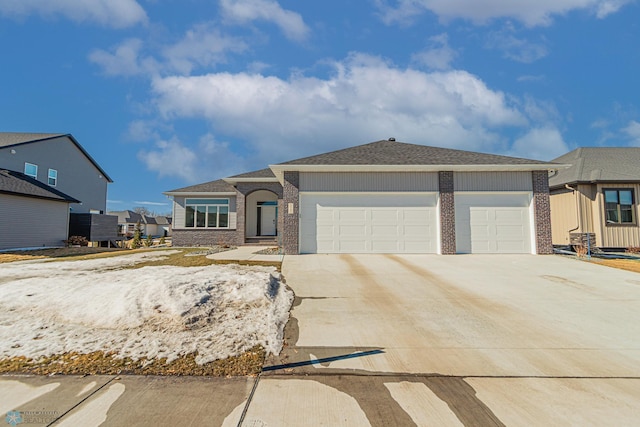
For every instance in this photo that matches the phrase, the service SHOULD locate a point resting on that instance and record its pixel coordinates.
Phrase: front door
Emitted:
(267, 214)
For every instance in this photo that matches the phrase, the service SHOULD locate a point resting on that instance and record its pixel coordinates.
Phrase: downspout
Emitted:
(578, 210)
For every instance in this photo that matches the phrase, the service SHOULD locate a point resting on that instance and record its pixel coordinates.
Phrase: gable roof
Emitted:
(391, 156)
(127, 216)
(262, 175)
(388, 152)
(217, 186)
(594, 164)
(17, 183)
(9, 139)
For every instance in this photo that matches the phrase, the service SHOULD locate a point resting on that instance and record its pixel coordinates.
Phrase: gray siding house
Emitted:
(32, 214)
(382, 197)
(62, 164)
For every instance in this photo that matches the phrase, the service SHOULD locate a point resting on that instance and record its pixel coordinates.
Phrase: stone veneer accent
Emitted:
(542, 212)
(204, 237)
(447, 213)
(291, 222)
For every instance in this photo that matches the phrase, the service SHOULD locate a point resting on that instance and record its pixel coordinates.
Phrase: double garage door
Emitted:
(408, 223)
(368, 223)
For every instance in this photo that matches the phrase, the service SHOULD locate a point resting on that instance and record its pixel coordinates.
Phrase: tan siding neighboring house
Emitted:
(31, 213)
(577, 196)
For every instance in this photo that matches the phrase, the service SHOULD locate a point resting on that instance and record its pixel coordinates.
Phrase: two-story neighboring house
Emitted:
(63, 165)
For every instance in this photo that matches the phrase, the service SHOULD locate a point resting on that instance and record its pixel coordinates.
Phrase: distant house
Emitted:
(156, 226)
(60, 163)
(32, 214)
(381, 197)
(598, 194)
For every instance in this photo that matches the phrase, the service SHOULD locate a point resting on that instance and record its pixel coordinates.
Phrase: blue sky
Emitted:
(168, 93)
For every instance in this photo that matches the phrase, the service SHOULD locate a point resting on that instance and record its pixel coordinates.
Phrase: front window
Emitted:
(53, 177)
(31, 170)
(619, 206)
(207, 213)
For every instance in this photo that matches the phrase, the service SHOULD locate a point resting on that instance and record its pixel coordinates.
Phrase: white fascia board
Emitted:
(199, 194)
(279, 170)
(237, 180)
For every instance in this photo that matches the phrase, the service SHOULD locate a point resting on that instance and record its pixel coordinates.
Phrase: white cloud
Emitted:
(208, 160)
(243, 11)
(143, 202)
(518, 49)
(632, 131)
(531, 13)
(124, 60)
(438, 56)
(110, 13)
(171, 158)
(201, 46)
(541, 143)
(366, 99)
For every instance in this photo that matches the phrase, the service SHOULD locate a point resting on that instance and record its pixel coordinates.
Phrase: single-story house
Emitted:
(597, 194)
(381, 197)
(150, 225)
(32, 214)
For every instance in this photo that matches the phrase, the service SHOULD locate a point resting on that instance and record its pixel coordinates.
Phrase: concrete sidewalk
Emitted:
(246, 253)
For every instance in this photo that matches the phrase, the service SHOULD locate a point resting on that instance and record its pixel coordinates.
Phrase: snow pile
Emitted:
(216, 311)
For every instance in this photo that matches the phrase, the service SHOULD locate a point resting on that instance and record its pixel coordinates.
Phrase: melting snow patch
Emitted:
(216, 311)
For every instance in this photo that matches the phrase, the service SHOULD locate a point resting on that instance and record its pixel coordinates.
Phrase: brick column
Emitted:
(447, 213)
(240, 217)
(290, 190)
(542, 212)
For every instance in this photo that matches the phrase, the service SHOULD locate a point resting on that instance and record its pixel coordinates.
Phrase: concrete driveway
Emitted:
(472, 340)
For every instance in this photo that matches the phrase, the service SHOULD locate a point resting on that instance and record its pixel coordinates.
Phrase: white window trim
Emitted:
(50, 177)
(25, 170)
(206, 226)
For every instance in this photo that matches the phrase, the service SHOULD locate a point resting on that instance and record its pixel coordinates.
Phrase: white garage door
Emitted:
(493, 223)
(368, 223)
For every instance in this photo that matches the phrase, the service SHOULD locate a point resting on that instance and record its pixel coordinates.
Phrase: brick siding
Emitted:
(542, 212)
(291, 221)
(447, 213)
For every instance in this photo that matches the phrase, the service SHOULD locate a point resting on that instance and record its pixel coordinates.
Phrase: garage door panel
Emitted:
(493, 223)
(372, 223)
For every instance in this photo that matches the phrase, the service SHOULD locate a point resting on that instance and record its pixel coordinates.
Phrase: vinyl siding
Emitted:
(369, 181)
(29, 222)
(179, 211)
(617, 236)
(564, 216)
(492, 181)
(77, 176)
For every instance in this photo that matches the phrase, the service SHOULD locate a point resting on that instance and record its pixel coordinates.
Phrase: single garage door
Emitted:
(368, 223)
(493, 223)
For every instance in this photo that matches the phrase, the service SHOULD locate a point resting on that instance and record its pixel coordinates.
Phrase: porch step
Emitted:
(261, 241)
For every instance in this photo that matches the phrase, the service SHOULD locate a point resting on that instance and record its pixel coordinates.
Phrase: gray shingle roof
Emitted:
(127, 216)
(593, 164)
(218, 186)
(17, 183)
(7, 139)
(262, 173)
(399, 153)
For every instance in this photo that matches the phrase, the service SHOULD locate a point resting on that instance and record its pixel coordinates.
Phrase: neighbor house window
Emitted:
(53, 177)
(619, 206)
(207, 213)
(31, 170)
